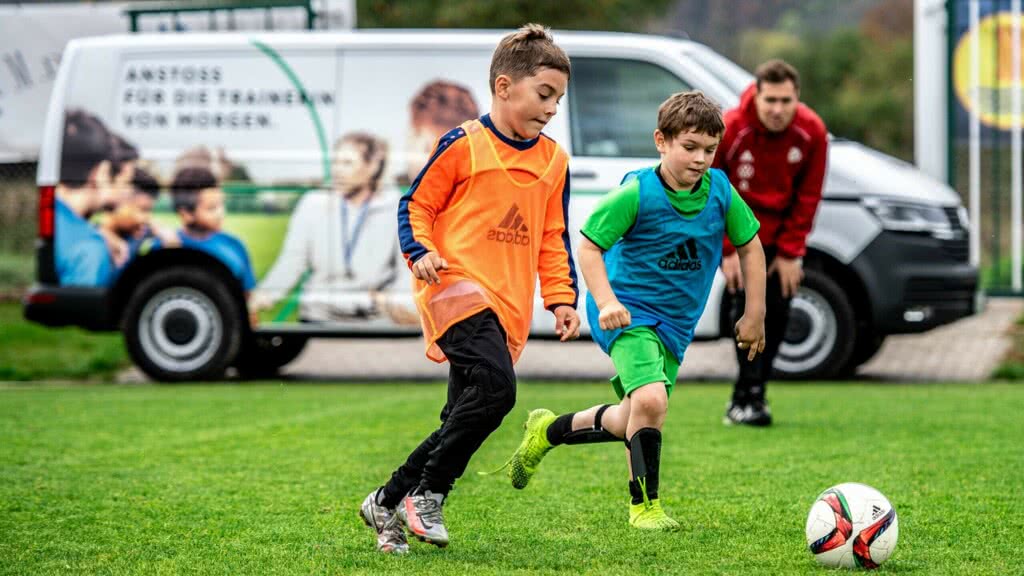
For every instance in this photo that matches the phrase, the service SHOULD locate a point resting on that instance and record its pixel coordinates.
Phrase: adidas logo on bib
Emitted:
(684, 257)
(511, 230)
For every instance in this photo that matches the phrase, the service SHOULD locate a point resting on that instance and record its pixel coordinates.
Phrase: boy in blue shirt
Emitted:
(199, 202)
(649, 255)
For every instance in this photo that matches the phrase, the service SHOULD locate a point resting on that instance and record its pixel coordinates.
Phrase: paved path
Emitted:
(968, 350)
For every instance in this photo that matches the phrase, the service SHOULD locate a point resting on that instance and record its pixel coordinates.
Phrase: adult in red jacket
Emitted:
(774, 151)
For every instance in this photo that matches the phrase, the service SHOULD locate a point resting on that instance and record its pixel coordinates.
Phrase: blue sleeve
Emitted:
(410, 246)
(574, 281)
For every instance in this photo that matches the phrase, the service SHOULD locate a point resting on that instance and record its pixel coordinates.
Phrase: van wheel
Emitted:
(820, 335)
(183, 324)
(262, 356)
(867, 346)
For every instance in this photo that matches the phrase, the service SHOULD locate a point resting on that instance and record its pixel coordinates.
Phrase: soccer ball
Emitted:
(852, 525)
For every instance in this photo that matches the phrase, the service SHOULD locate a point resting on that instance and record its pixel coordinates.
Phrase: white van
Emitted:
(286, 123)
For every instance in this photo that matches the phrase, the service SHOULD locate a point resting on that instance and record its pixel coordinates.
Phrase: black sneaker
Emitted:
(754, 413)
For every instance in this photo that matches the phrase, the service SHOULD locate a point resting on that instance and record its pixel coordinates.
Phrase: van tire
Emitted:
(263, 356)
(183, 324)
(821, 333)
(867, 346)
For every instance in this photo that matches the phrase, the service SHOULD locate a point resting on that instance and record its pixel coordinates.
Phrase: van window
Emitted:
(614, 106)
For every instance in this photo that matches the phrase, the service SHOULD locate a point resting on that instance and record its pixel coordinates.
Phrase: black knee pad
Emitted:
(497, 390)
(488, 397)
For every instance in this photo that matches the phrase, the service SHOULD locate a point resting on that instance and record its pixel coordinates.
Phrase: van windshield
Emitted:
(726, 71)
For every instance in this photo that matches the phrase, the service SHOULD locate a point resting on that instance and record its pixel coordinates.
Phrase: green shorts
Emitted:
(640, 358)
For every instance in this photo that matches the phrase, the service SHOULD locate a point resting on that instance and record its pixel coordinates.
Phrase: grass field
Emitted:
(267, 479)
(30, 352)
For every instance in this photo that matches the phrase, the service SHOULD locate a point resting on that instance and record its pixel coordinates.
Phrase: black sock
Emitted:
(560, 431)
(559, 428)
(747, 391)
(635, 492)
(645, 458)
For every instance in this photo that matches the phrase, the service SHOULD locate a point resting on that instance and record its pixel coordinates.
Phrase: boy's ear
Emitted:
(501, 86)
(659, 141)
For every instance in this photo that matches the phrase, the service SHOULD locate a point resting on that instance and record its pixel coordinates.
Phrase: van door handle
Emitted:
(583, 175)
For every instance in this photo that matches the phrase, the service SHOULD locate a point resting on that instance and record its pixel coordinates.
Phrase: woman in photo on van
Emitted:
(344, 241)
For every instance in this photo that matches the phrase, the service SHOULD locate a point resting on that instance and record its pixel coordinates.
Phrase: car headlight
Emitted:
(902, 216)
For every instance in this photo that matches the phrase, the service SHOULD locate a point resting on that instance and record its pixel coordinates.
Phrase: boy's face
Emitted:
(349, 171)
(776, 105)
(686, 157)
(144, 208)
(131, 218)
(532, 100)
(209, 213)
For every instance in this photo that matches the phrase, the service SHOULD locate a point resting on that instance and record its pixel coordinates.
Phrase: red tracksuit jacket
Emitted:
(778, 174)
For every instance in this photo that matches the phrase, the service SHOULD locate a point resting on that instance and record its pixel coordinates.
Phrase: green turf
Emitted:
(16, 271)
(267, 480)
(30, 351)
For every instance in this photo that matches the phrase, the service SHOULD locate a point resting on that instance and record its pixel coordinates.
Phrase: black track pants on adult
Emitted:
(481, 391)
(753, 376)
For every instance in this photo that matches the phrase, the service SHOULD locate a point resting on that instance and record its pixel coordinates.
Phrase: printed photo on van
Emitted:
(249, 160)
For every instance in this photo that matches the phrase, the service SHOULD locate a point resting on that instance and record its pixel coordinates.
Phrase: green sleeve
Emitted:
(740, 223)
(614, 215)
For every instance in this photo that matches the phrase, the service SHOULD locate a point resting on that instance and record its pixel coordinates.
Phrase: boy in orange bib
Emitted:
(485, 217)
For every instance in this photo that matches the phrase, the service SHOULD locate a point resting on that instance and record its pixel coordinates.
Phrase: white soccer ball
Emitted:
(852, 525)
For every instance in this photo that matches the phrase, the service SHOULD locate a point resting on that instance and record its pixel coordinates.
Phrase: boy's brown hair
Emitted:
(524, 52)
(690, 111)
(187, 185)
(776, 72)
(443, 105)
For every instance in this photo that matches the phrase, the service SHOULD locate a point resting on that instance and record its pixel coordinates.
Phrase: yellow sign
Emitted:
(995, 73)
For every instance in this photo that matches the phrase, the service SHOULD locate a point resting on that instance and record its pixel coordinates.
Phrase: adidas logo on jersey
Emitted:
(511, 230)
(684, 257)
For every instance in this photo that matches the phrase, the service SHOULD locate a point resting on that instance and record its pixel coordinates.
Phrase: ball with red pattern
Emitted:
(852, 525)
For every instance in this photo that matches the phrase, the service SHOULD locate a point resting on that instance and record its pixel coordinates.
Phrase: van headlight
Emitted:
(902, 216)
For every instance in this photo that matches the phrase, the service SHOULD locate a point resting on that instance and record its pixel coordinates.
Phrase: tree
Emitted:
(622, 15)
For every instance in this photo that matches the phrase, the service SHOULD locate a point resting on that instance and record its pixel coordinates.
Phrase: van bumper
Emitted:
(916, 282)
(68, 306)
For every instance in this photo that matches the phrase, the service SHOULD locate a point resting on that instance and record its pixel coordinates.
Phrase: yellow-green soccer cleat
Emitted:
(650, 516)
(523, 464)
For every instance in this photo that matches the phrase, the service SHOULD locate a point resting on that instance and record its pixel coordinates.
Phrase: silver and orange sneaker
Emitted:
(421, 514)
(390, 534)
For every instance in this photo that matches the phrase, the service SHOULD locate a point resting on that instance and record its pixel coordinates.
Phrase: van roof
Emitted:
(389, 37)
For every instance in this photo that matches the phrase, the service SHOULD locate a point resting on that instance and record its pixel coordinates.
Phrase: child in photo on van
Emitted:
(343, 240)
(81, 255)
(132, 219)
(438, 107)
(475, 295)
(649, 255)
(199, 202)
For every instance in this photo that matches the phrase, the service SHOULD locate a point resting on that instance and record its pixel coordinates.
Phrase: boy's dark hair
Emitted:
(373, 150)
(86, 145)
(144, 183)
(187, 184)
(524, 52)
(121, 152)
(690, 111)
(776, 72)
(443, 104)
